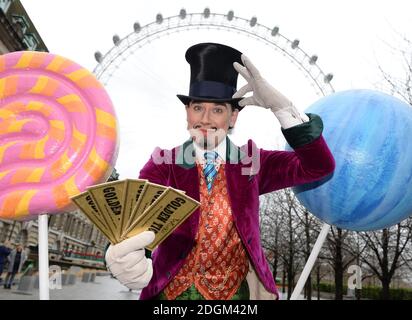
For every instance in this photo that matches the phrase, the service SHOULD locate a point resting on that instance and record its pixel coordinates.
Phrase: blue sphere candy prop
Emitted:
(370, 136)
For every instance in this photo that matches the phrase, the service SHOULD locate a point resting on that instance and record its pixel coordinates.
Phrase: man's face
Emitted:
(209, 122)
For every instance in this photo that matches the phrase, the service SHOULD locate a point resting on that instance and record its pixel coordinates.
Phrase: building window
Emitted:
(31, 41)
(52, 222)
(80, 231)
(63, 219)
(5, 232)
(57, 221)
(4, 5)
(2, 233)
(22, 27)
(22, 238)
(21, 22)
(72, 227)
(67, 224)
(89, 233)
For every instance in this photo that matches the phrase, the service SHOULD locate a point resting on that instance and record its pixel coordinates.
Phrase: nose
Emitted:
(205, 119)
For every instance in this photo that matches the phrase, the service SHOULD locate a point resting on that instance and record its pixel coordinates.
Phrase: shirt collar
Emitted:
(220, 149)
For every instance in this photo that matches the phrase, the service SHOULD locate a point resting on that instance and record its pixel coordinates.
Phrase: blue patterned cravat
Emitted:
(209, 169)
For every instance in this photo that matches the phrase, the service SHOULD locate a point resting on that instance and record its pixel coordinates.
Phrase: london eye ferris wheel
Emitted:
(144, 71)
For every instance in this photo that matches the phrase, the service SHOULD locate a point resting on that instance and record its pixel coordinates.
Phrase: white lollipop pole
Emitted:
(311, 261)
(43, 257)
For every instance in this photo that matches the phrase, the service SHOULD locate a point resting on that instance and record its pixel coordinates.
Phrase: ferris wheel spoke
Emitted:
(109, 63)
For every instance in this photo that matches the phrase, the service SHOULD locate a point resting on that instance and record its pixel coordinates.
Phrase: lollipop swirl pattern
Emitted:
(58, 133)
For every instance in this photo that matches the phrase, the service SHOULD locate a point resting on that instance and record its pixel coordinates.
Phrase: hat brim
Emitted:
(186, 100)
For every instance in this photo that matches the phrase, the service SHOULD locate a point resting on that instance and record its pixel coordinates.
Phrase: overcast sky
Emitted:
(350, 37)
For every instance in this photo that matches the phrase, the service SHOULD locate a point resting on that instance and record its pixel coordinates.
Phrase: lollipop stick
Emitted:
(43, 257)
(311, 261)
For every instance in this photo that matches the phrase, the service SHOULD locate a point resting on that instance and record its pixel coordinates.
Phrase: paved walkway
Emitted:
(104, 288)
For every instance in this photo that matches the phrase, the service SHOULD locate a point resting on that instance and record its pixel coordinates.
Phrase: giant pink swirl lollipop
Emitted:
(58, 133)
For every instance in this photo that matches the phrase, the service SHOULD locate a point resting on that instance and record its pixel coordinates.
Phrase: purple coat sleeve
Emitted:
(282, 169)
(153, 172)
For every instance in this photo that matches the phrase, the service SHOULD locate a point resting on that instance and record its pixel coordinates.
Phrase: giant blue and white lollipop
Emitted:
(370, 136)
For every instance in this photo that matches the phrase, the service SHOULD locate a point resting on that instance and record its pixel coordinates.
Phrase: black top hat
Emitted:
(212, 75)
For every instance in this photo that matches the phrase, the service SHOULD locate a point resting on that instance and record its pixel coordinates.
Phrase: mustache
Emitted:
(198, 126)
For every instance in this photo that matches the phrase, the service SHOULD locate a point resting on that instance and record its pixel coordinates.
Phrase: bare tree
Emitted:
(398, 85)
(384, 256)
(281, 236)
(310, 226)
(387, 250)
(271, 223)
(321, 272)
(291, 238)
(339, 257)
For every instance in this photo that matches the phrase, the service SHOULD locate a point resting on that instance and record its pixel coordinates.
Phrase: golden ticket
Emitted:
(86, 204)
(108, 197)
(149, 195)
(170, 210)
(134, 189)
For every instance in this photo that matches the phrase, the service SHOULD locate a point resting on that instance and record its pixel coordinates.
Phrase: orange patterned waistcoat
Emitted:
(218, 262)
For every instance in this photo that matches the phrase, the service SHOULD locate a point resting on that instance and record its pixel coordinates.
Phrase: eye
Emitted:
(197, 107)
(218, 110)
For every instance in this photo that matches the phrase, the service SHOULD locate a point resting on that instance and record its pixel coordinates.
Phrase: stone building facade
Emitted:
(72, 238)
(17, 32)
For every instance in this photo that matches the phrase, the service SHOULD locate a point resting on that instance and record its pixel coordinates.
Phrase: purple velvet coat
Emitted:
(246, 180)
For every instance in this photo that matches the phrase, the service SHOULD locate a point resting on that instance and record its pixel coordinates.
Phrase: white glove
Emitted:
(266, 96)
(127, 262)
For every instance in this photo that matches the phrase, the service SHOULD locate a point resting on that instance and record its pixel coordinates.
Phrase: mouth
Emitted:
(206, 136)
(205, 130)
